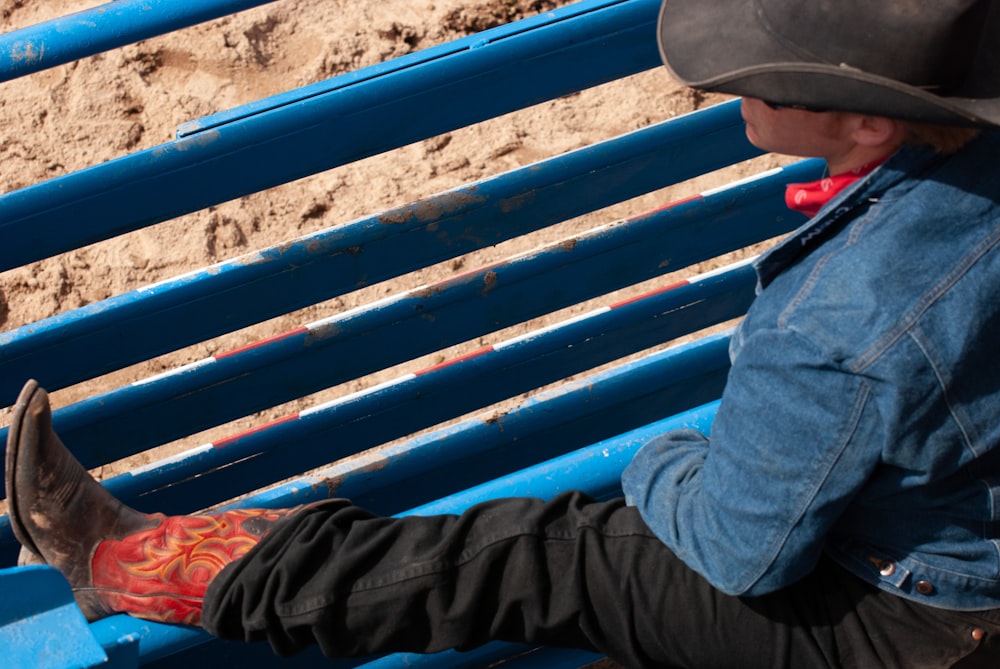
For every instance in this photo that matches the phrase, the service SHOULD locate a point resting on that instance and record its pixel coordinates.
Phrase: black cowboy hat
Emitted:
(936, 61)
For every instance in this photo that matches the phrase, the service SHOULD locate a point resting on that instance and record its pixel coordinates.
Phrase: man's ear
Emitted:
(876, 131)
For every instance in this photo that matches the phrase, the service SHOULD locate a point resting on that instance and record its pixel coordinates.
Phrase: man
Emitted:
(846, 511)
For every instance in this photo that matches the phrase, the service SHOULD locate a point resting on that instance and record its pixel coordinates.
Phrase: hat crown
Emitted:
(927, 44)
(933, 61)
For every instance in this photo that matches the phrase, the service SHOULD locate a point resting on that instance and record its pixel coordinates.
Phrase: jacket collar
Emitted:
(908, 161)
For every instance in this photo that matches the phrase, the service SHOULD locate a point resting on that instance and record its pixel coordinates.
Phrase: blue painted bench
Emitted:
(609, 382)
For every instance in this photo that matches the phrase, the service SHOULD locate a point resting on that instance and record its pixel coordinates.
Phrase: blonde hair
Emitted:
(942, 138)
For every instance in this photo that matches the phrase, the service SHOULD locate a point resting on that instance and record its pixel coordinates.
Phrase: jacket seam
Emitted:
(850, 429)
(966, 438)
(907, 322)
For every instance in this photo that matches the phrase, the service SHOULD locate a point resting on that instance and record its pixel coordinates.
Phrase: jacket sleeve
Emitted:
(794, 439)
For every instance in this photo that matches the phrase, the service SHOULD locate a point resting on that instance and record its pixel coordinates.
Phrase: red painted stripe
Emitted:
(449, 363)
(262, 342)
(658, 291)
(222, 443)
(685, 200)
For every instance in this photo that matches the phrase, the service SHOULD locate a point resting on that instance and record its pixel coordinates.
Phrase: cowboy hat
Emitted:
(934, 61)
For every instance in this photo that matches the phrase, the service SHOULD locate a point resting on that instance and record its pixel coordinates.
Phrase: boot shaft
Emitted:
(161, 573)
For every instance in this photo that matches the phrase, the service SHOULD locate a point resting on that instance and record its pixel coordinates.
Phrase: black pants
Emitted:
(570, 572)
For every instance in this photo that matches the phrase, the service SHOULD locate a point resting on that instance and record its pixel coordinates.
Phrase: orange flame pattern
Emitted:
(162, 573)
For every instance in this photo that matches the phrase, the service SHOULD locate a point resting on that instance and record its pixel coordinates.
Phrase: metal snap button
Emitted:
(924, 587)
(885, 567)
(978, 634)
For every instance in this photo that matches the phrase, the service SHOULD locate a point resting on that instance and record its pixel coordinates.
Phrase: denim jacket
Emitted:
(861, 416)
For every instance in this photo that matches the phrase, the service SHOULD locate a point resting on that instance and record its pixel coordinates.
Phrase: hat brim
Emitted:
(718, 45)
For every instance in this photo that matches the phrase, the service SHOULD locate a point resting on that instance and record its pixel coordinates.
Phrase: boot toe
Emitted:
(54, 504)
(25, 410)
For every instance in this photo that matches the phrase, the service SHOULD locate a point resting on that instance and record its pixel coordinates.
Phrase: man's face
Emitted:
(795, 132)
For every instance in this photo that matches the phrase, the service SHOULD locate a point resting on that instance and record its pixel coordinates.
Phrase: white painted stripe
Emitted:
(742, 182)
(549, 328)
(170, 372)
(180, 457)
(175, 279)
(355, 395)
(723, 269)
(368, 306)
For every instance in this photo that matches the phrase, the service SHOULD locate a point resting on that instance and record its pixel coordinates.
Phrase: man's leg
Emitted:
(515, 569)
(566, 572)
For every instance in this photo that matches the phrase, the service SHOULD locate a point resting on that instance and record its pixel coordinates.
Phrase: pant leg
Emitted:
(569, 572)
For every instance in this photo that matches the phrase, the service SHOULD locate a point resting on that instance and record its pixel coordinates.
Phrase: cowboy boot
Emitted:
(116, 559)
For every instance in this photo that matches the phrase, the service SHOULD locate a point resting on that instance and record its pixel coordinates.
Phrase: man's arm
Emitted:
(794, 440)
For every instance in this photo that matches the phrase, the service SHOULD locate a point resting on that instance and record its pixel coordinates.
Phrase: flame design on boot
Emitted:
(116, 559)
(162, 573)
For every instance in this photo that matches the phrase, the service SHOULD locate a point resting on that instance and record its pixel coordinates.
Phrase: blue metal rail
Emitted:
(612, 380)
(103, 28)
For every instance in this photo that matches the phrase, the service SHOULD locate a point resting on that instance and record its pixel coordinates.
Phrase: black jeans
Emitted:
(569, 572)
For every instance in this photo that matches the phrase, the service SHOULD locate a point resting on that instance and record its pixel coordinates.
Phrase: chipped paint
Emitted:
(489, 282)
(518, 202)
(431, 209)
(198, 141)
(25, 53)
(322, 331)
(498, 418)
(427, 292)
(360, 464)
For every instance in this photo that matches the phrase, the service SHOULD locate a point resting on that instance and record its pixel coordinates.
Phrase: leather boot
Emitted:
(116, 559)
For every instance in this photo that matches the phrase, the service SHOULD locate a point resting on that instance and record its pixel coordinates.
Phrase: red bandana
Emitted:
(809, 198)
